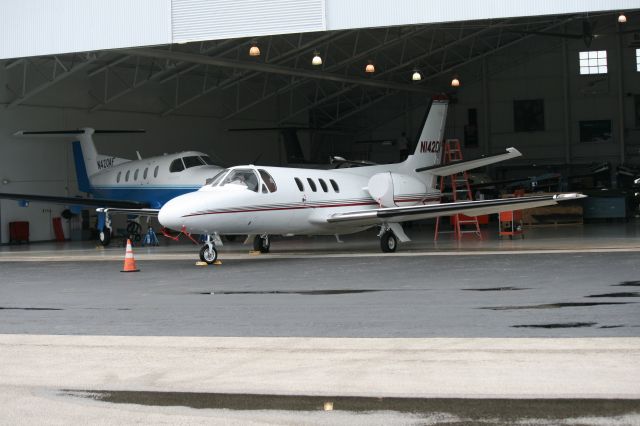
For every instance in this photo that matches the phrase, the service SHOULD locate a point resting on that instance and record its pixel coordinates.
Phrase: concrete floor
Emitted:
(482, 297)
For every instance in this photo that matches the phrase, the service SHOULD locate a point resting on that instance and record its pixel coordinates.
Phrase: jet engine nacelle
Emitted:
(389, 188)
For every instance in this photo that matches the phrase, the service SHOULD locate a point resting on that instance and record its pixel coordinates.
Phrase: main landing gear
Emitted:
(388, 241)
(208, 252)
(261, 243)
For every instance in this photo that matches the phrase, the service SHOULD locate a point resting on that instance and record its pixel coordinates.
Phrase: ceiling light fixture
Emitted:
(622, 19)
(317, 60)
(455, 82)
(370, 68)
(416, 76)
(254, 50)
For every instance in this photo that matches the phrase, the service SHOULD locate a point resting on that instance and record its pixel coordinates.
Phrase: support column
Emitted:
(566, 105)
(486, 133)
(620, 97)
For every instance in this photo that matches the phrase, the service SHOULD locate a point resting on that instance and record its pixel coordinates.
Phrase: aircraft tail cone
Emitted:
(129, 261)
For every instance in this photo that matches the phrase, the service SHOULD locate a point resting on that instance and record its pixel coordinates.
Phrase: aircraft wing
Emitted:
(470, 208)
(74, 201)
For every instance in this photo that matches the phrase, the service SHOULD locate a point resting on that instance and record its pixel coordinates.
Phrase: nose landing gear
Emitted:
(208, 252)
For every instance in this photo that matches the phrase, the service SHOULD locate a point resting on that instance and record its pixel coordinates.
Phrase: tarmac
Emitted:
(446, 333)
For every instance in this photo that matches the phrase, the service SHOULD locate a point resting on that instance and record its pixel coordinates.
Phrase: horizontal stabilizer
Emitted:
(454, 168)
(132, 212)
(73, 132)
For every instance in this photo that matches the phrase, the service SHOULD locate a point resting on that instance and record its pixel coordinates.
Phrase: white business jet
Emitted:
(137, 187)
(261, 201)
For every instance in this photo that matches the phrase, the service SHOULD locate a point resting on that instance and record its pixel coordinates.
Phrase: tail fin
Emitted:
(429, 147)
(84, 184)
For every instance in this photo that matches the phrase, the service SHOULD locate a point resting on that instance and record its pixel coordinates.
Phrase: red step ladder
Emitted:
(456, 188)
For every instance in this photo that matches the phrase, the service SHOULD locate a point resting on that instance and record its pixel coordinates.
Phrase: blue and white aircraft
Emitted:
(122, 185)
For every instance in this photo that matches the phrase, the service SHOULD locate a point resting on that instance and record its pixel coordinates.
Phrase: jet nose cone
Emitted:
(170, 215)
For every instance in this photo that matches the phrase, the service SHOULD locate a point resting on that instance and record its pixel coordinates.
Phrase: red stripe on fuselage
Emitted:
(299, 207)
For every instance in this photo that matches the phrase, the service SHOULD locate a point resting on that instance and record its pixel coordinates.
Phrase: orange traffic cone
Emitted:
(129, 261)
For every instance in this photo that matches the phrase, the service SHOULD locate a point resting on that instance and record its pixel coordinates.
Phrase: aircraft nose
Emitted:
(170, 215)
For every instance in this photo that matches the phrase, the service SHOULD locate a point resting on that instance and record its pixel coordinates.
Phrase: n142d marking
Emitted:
(430, 146)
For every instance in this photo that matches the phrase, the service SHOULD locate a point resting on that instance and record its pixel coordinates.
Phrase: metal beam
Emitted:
(270, 68)
(52, 81)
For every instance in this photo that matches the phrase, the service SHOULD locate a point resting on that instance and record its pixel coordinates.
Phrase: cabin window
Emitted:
(206, 160)
(155, 171)
(176, 166)
(118, 178)
(312, 184)
(135, 175)
(193, 161)
(146, 171)
(299, 183)
(243, 177)
(334, 185)
(323, 184)
(268, 180)
(126, 176)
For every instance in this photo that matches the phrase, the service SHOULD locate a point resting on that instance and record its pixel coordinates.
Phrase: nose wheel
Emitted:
(208, 254)
(388, 241)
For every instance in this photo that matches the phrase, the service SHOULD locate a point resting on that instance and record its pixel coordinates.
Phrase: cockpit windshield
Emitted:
(246, 177)
(207, 160)
(214, 181)
(192, 161)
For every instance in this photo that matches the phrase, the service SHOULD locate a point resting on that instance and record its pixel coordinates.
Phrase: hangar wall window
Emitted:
(593, 62)
(335, 185)
(323, 185)
(312, 184)
(299, 183)
(155, 172)
(118, 178)
(176, 166)
(638, 60)
(528, 115)
(126, 176)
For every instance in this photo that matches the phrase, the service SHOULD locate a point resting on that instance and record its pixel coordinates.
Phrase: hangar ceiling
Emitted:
(221, 80)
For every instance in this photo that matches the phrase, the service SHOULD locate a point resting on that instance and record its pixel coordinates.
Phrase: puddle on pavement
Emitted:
(7, 308)
(557, 325)
(555, 305)
(301, 292)
(508, 410)
(628, 284)
(612, 326)
(620, 294)
(496, 289)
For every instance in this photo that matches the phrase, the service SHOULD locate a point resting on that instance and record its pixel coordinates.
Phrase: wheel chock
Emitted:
(254, 252)
(218, 262)
(200, 263)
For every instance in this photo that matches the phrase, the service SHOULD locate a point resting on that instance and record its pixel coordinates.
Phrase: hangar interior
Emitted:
(567, 113)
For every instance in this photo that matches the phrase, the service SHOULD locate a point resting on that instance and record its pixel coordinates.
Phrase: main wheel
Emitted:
(261, 243)
(208, 255)
(104, 236)
(388, 242)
